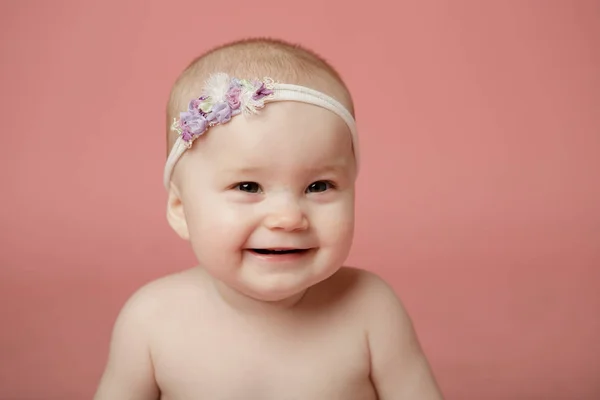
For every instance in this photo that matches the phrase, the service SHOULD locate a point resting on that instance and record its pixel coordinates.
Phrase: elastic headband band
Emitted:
(224, 97)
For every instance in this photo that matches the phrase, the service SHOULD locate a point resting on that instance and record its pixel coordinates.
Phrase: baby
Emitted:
(261, 182)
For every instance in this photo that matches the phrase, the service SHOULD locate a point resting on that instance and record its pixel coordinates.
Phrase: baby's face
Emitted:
(269, 199)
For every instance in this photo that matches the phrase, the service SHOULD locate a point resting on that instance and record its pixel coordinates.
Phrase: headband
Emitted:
(224, 97)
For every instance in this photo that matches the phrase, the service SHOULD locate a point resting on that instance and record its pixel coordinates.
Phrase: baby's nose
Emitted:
(287, 215)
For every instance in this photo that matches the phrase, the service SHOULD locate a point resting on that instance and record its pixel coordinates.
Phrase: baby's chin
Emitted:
(289, 295)
(286, 292)
(275, 289)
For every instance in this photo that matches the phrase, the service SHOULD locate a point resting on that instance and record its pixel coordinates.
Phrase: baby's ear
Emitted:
(176, 213)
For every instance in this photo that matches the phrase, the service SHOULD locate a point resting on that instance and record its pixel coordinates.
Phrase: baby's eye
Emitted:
(249, 187)
(319, 186)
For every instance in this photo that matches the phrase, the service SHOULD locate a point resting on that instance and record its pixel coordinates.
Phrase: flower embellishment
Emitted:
(223, 97)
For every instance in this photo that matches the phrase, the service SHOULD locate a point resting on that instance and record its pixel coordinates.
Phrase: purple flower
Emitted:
(261, 92)
(233, 97)
(221, 112)
(186, 136)
(192, 122)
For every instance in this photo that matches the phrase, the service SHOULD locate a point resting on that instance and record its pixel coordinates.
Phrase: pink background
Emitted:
(479, 197)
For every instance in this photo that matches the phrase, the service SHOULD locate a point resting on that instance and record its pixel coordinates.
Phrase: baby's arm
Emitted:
(129, 373)
(399, 369)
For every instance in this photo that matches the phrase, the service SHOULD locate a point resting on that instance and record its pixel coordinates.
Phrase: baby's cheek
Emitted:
(215, 243)
(221, 227)
(336, 225)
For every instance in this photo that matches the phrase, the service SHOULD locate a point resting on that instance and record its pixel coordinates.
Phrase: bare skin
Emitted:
(347, 337)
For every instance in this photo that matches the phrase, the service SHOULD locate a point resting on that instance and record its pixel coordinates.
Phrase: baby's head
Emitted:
(266, 198)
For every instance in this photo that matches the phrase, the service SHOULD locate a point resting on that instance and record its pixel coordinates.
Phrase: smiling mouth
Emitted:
(278, 251)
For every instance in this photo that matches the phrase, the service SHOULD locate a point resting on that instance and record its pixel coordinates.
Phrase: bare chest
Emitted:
(227, 361)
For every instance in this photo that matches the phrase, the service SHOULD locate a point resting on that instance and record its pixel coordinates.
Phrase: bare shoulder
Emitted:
(399, 368)
(129, 371)
(170, 288)
(363, 296)
(376, 301)
(154, 298)
(363, 287)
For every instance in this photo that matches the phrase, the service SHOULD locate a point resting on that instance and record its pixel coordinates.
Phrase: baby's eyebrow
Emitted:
(244, 170)
(335, 168)
(316, 169)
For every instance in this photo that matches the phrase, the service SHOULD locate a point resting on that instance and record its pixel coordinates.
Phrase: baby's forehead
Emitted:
(280, 130)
